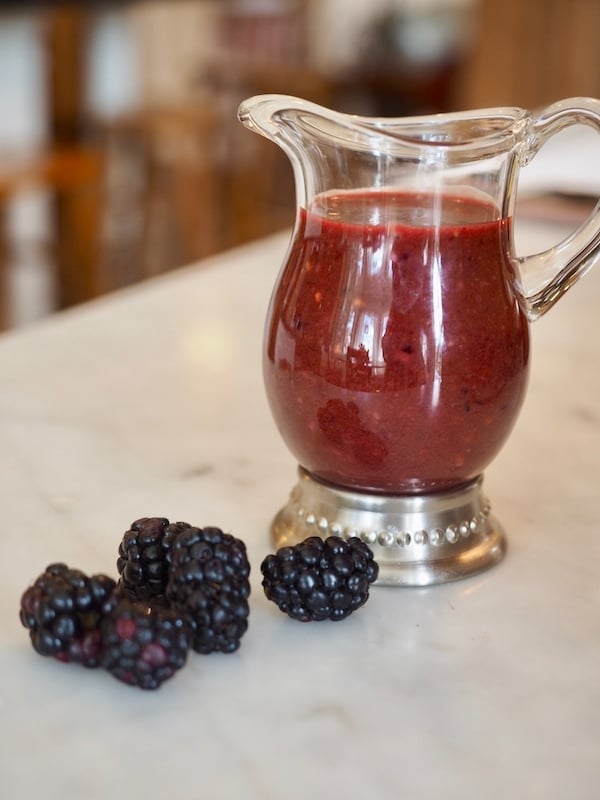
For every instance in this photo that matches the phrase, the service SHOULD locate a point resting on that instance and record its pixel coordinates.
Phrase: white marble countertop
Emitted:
(150, 402)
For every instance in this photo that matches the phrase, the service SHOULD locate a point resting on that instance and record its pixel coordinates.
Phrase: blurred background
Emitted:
(120, 153)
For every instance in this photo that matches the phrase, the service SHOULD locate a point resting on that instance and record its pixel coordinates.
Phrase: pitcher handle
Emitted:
(579, 251)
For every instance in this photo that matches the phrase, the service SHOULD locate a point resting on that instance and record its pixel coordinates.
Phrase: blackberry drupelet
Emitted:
(143, 645)
(208, 579)
(62, 610)
(143, 556)
(320, 579)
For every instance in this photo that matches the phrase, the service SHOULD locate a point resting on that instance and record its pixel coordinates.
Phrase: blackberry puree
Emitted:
(396, 352)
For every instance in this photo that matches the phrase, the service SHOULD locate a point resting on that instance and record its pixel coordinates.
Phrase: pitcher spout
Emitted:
(279, 116)
(331, 150)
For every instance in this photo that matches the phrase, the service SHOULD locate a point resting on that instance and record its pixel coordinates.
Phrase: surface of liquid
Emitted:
(396, 353)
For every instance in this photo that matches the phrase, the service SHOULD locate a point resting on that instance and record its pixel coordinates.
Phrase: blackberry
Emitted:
(208, 579)
(62, 610)
(143, 556)
(320, 579)
(143, 645)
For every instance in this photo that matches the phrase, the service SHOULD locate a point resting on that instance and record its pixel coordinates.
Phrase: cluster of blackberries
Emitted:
(179, 588)
(202, 572)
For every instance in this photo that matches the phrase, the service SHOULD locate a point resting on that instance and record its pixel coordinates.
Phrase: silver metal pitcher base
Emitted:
(417, 540)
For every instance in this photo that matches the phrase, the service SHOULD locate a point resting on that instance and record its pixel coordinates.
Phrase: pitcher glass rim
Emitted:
(490, 129)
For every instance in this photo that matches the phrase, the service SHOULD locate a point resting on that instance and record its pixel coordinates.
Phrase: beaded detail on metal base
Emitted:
(417, 540)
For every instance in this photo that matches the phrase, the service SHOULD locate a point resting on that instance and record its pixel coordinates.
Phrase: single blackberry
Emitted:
(143, 645)
(320, 579)
(143, 556)
(208, 579)
(62, 610)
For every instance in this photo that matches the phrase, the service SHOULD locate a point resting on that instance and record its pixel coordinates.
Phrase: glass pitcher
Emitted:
(397, 347)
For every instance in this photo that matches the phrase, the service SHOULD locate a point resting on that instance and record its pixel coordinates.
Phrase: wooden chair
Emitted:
(262, 49)
(173, 152)
(71, 171)
(74, 178)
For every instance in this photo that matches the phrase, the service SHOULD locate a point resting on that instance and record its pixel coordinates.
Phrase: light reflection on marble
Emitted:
(150, 402)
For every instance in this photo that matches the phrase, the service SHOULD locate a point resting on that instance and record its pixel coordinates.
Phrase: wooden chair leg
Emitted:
(4, 272)
(78, 217)
(196, 203)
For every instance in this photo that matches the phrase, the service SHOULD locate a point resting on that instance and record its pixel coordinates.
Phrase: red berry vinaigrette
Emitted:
(396, 352)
